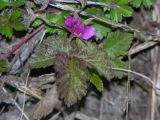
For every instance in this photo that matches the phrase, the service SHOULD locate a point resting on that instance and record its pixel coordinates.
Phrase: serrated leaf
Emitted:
(117, 63)
(45, 53)
(51, 29)
(71, 78)
(101, 29)
(125, 10)
(94, 57)
(3, 65)
(117, 44)
(148, 3)
(7, 31)
(15, 15)
(136, 3)
(96, 80)
(57, 18)
(116, 15)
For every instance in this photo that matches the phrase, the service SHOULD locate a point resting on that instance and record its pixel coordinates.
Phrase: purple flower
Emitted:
(78, 28)
(88, 32)
(71, 21)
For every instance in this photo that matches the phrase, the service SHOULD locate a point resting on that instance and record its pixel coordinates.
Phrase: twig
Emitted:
(24, 97)
(142, 47)
(140, 75)
(42, 36)
(16, 104)
(25, 39)
(156, 64)
(128, 87)
(112, 5)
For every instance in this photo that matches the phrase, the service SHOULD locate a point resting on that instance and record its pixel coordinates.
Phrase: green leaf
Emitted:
(136, 3)
(102, 29)
(126, 11)
(7, 31)
(93, 10)
(41, 62)
(3, 65)
(17, 3)
(71, 78)
(122, 10)
(115, 15)
(15, 15)
(59, 31)
(123, 2)
(148, 3)
(18, 25)
(55, 18)
(96, 80)
(3, 4)
(117, 44)
(94, 57)
(45, 53)
(37, 22)
(117, 63)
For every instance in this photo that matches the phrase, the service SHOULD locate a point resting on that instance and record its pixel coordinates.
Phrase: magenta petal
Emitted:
(75, 21)
(88, 32)
(78, 28)
(71, 21)
(68, 21)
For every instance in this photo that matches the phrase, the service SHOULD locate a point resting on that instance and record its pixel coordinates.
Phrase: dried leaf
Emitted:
(46, 105)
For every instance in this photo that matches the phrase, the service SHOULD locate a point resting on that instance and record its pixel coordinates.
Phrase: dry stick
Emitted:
(24, 97)
(16, 104)
(25, 39)
(147, 79)
(142, 47)
(128, 87)
(88, 3)
(156, 65)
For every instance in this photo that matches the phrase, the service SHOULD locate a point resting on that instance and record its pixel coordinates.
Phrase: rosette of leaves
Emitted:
(77, 66)
(78, 63)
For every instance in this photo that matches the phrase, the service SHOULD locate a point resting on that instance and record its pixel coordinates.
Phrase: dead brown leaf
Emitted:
(46, 105)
